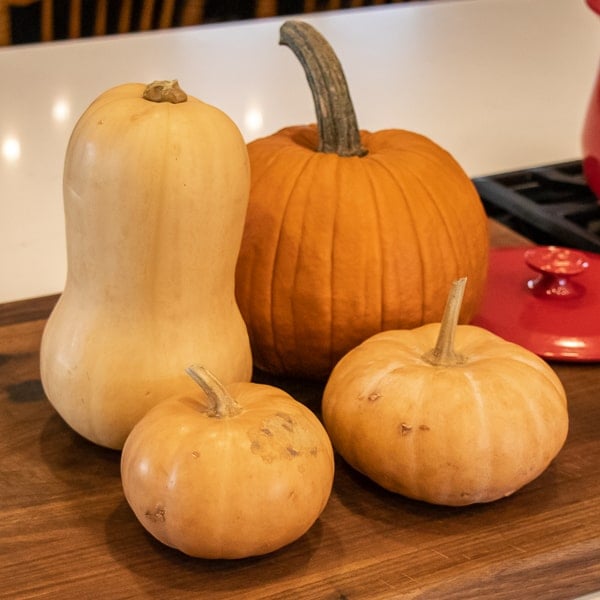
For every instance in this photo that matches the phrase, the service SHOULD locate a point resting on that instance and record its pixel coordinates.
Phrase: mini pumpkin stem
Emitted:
(165, 91)
(221, 403)
(336, 119)
(444, 354)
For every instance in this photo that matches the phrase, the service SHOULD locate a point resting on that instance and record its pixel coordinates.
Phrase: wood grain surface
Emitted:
(67, 532)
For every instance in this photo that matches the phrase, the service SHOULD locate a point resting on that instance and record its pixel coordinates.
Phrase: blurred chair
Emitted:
(46, 20)
(270, 8)
(127, 15)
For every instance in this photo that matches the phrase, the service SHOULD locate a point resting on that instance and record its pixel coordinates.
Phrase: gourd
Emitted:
(155, 194)
(448, 414)
(238, 471)
(349, 232)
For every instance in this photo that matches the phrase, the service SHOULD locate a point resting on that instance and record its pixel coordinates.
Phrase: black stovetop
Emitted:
(551, 205)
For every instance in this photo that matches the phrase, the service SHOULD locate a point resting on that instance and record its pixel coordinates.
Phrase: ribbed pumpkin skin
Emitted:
(336, 249)
(451, 435)
(155, 196)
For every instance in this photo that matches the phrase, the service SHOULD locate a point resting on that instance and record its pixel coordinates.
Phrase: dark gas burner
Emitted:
(551, 205)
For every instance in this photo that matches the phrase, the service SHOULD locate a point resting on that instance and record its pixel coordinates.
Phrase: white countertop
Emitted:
(502, 84)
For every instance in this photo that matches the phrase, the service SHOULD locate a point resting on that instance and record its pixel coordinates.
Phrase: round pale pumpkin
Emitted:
(472, 420)
(232, 473)
(348, 232)
(155, 194)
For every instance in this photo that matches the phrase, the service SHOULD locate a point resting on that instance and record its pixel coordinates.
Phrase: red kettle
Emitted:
(591, 130)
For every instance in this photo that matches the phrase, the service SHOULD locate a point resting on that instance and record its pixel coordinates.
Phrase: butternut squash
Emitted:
(156, 187)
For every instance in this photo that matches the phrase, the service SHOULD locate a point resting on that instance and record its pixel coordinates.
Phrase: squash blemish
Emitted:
(157, 515)
(405, 429)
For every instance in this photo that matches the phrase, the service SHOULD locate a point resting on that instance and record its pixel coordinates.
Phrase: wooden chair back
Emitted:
(153, 14)
(191, 14)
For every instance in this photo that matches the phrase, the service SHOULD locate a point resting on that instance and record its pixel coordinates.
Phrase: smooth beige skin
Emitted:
(451, 435)
(155, 197)
(228, 487)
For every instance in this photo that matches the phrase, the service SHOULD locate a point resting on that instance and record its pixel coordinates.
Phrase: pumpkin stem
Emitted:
(336, 119)
(221, 403)
(443, 354)
(164, 91)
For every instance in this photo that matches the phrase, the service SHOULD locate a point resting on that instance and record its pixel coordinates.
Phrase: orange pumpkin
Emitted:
(448, 414)
(233, 472)
(348, 232)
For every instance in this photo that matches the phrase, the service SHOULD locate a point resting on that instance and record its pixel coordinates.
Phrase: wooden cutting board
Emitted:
(67, 532)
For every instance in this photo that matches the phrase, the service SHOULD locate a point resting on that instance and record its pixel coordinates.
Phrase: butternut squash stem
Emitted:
(444, 354)
(221, 403)
(336, 119)
(164, 91)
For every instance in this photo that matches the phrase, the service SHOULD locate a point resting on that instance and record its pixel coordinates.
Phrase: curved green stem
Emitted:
(336, 119)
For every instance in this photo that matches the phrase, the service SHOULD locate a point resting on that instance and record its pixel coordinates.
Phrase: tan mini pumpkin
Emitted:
(349, 232)
(450, 415)
(155, 194)
(234, 472)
